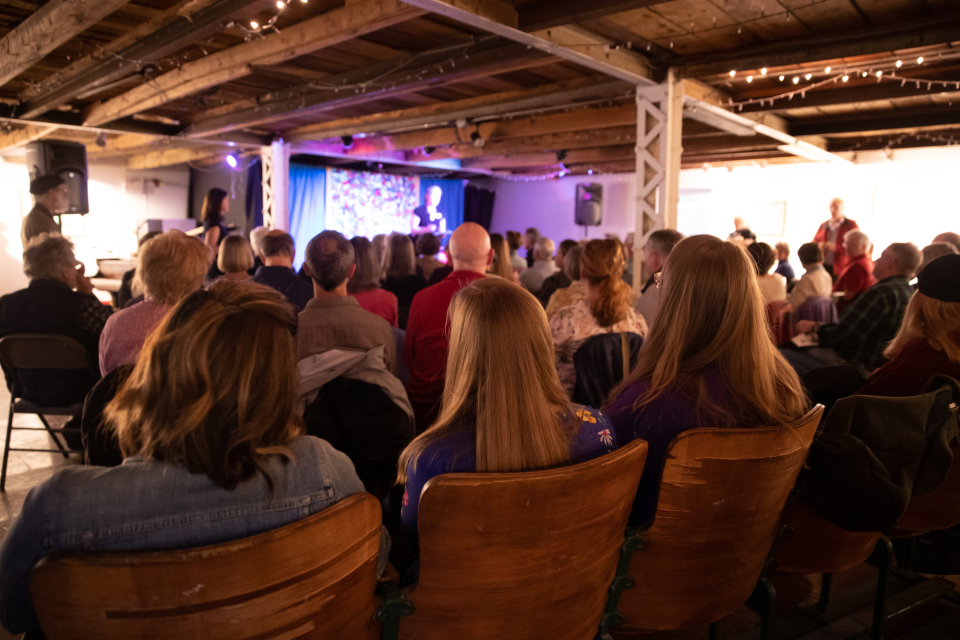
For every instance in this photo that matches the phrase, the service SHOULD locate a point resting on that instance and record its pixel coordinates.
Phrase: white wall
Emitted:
(120, 201)
(911, 198)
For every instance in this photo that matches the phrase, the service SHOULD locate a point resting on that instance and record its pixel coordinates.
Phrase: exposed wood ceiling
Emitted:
(523, 87)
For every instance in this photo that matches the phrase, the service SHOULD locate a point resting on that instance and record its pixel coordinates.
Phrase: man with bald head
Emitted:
(425, 346)
(830, 238)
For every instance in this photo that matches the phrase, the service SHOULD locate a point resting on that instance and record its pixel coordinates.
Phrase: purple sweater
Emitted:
(658, 423)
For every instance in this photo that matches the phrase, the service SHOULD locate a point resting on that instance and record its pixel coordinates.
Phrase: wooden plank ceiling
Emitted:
(409, 87)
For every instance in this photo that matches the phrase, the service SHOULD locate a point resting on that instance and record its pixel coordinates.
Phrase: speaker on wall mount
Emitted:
(589, 204)
(67, 160)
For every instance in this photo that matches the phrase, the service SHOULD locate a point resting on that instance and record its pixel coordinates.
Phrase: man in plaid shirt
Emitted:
(869, 323)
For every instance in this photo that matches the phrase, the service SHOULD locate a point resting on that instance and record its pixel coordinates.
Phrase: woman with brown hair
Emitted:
(215, 204)
(208, 422)
(606, 308)
(428, 246)
(364, 285)
(501, 265)
(503, 408)
(708, 361)
(401, 277)
(928, 342)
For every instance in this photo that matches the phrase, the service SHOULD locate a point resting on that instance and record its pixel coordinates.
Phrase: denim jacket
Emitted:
(150, 505)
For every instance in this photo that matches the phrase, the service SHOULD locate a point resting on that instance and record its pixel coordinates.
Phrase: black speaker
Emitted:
(67, 160)
(588, 210)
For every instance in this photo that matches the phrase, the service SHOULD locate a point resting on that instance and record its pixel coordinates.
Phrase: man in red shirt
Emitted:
(857, 277)
(830, 238)
(425, 346)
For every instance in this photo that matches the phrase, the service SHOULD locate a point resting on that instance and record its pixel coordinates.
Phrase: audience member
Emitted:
(784, 267)
(708, 361)
(606, 308)
(928, 342)
(815, 282)
(830, 238)
(500, 382)
(501, 266)
(543, 266)
(869, 323)
(857, 276)
(773, 286)
(953, 239)
(425, 345)
(742, 232)
(428, 246)
(400, 274)
(515, 241)
(380, 247)
(933, 251)
(235, 259)
(530, 238)
(655, 253)
(559, 279)
(364, 284)
(333, 319)
(209, 426)
(51, 197)
(58, 300)
(577, 290)
(125, 295)
(256, 234)
(277, 251)
(170, 267)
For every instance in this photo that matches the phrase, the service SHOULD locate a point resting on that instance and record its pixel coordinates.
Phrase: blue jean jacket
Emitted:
(149, 505)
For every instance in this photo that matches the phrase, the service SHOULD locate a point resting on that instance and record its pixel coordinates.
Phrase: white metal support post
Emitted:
(276, 178)
(659, 130)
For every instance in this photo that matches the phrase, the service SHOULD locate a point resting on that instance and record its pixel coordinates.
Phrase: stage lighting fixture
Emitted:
(562, 155)
(232, 160)
(427, 151)
(347, 142)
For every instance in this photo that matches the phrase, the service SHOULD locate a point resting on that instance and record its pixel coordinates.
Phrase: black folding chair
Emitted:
(39, 351)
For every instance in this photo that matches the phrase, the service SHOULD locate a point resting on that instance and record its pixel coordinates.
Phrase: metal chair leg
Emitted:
(714, 633)
(763, 602)
(53, 435)
(6, 449)
(882, 559)
(826, 587)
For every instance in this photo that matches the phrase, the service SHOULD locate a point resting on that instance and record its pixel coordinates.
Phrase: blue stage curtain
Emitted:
(451, 203)
(307, 203)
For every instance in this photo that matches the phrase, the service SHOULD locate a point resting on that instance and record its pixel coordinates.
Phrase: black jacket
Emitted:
(874, 454)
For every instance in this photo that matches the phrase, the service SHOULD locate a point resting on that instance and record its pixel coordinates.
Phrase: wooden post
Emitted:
(276, 178)
(659, 129)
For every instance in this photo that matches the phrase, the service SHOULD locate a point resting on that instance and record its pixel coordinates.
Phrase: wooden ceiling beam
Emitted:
(579, 156)
(333, 27)
(555, 142)
(893, 120)
(50, 26)
(845, 44)
(542, 97)
(554, 13)
(168, 157)
(501, 18)
(24, 136)
(186, 23)
(312, 98)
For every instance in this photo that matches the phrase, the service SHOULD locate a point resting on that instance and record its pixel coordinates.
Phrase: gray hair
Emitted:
(857, 236)
(908, 257)
(329, 257)
(544, 249)
(47, 255)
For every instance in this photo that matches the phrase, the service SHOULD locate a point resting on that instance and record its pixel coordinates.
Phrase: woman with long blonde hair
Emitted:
(503, 406)
(501, 265)
(606, 308)
(928, 342)
(708, 360)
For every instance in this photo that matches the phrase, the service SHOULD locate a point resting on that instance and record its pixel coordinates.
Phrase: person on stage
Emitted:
(830, 238)
(426, 218)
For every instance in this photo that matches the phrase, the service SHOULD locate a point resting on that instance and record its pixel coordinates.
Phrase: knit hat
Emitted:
(42, 184)
(940, 279)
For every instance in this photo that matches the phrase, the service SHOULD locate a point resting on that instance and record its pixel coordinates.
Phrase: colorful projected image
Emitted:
(366, 204)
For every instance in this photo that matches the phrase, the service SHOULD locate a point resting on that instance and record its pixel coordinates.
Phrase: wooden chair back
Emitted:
(937, 511)
(722, 493)
(813, 544)
(314, 578)
(522, 555)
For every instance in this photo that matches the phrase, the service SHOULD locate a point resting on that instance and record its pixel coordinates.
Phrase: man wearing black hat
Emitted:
(50, 195)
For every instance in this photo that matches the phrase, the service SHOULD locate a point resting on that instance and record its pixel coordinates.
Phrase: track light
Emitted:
(427, 151)
(232, 161)
(562, 155)
(347, 142)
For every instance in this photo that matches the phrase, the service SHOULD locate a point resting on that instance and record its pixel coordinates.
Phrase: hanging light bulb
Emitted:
(845, 78)
(808, 76)
(864, 74)
(879, 73)
(254, 24)
(733, 73)
(763, 71)
(899, 63)
(781, 78)
(920, 60)
(796, 79)
(749, 78)
(281, 4)
(827, 70)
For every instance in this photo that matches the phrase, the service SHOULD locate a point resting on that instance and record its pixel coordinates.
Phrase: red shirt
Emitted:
(425, 347)
(379, 302)
(856, 278)
(840, 259)
(908, 371)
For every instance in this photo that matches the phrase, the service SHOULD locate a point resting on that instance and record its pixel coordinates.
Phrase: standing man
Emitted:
(427, 219)
(425, 345)
(50, 197)
(830, 238)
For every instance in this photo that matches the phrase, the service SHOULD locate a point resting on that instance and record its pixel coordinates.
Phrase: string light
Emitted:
(920, 60)
(781, 78)
(827, 70)
(796, 79)
(808, 76)
(733, 73)
(749, 78)
(899, 63)
(763, 71)
(281, 4)
(845, 78)
(879, 73)
(254, 24)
